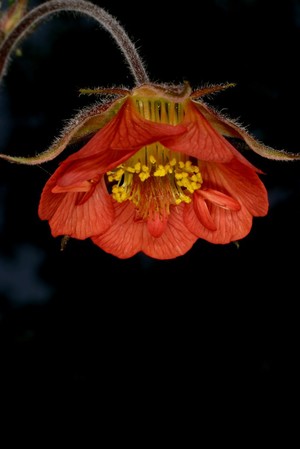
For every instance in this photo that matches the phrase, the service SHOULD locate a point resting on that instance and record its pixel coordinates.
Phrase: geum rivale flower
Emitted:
(156, 174)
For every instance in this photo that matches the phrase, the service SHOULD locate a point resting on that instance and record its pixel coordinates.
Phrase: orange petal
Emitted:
(157, 225)
(128, 235)
(239, 182)
(134, 132)
(201, 140)
(76, 171)
(174, 242)
(83, 186)
(219, 199)
(126, 133)
(230, 225)
(202, 213)
(67, 217)
(231, 222)
(231, 128)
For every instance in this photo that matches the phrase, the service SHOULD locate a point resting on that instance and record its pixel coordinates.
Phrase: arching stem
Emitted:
(41, 12)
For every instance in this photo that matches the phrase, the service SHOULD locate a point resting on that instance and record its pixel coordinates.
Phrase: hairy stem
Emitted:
(39, 13)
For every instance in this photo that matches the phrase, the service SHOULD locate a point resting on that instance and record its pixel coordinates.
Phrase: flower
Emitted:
(156, 173)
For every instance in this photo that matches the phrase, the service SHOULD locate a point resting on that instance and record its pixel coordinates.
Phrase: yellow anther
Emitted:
(195, 186)
(130, 169)
(173, 162)
(119, 194)
(145, 173)
(185, 198)
(143, 176)
(137, 167)
(168, 168)
(160, 171)
(115, 176)
(184, 182)
(152, 159)
(118, 175)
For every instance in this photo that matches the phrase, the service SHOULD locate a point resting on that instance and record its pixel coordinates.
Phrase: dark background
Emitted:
(217, 328)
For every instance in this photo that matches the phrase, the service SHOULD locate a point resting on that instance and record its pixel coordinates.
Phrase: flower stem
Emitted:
(107, 21)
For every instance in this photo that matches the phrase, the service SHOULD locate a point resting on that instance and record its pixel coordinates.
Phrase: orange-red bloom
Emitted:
(155, 175)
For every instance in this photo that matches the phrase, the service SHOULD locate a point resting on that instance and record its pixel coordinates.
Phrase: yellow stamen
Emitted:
(176, 180)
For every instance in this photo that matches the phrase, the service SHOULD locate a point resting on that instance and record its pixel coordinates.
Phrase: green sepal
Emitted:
(84, 124)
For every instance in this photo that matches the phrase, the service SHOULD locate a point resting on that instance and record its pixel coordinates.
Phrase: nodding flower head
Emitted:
(157, 172)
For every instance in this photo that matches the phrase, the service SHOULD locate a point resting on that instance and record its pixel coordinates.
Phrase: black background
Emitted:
(215, 329)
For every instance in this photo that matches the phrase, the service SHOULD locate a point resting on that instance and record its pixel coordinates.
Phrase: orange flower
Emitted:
(156, 173)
